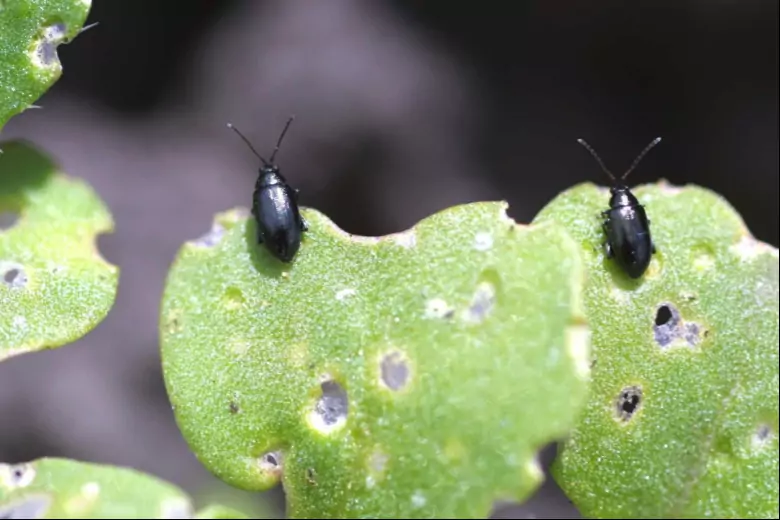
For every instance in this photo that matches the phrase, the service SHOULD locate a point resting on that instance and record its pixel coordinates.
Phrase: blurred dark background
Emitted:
(403, 108)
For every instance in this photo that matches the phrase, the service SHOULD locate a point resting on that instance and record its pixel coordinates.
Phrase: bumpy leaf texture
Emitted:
(61, 488)
(30, 31)
(682, 418)
(414, 375)
(54, 285)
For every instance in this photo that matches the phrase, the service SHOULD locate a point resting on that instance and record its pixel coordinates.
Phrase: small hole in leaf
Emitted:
(31, 506)
(13, 276)
(271, 463)
(761, 436)
(18, 476)
(628, 402)
(7, 219)
(234, 409)
(663, 316)
(213, 237)
(395, 371)
(438, 308)
(481, 303)
(691, 333)
(311, 476)
(332, 407)
(272, 459)
(669, 327)
(483, 241)
(45, 53)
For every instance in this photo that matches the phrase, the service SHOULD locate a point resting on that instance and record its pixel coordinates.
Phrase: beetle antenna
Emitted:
(236, 130)
(641, 155)
(279, 142)
(596, 156)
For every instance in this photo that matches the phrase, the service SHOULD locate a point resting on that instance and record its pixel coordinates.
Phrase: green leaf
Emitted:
(227, 500)
(30, 31)
(413, 375)
(54, 285)
(62, 488)
(221, 512)
(682, 418)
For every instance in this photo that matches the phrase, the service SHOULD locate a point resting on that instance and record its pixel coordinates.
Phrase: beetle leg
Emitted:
(652, 245)
(304, 224)
(605, 227)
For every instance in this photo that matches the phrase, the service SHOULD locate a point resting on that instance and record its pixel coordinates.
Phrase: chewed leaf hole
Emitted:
(34, 506)
(13, 275)
(330, 411)
(16, 476)
(481, 303)
(483, 241)
(271, 460)
(271, 463)
(7, 219)
(669, 328)
(761, 436)
(213, 237)
(45, 52)
(663, 316)
(628, 402)
(395, 371)
(438, 308)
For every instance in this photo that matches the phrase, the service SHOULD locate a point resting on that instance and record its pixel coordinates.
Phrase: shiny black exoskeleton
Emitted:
(628, 232)
(280, 225)
(625, 222)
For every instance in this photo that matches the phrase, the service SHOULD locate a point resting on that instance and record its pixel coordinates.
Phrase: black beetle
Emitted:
(625, 222)
(280, 225)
